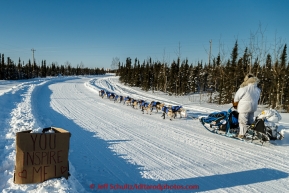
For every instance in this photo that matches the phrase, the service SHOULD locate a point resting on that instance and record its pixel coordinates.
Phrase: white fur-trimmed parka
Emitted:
(248, 95)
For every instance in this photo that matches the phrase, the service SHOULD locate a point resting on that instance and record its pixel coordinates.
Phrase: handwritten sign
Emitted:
(41, 156)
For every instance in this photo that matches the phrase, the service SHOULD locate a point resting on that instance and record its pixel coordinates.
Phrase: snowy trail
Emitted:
(113, 143)
(165, 150)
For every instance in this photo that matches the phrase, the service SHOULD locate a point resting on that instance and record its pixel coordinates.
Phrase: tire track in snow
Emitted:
(182, 155)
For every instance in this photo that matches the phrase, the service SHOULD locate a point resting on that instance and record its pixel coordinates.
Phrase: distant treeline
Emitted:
(220, 78)
(9, 70)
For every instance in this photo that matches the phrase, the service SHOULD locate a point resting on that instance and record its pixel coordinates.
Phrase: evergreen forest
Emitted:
(220, 78)
(9, 70)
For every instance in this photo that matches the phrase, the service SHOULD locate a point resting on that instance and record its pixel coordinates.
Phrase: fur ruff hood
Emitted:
(251, 80)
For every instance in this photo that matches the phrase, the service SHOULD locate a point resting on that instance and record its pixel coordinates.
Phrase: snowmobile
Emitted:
(225, 123)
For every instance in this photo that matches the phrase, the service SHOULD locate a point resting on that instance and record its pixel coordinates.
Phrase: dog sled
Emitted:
(264, 128)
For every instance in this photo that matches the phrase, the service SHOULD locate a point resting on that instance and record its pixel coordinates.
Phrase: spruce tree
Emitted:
(191, 83)
(19, 69)
(245, 66)
(219, 81)
(185, 74)
(173, 78)
(284, 79)
(3, 68)
(234, 71)
(286, 90)
(146, 77)
(142, 74)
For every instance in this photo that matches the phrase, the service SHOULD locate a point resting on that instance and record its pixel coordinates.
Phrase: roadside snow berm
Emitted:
(41, 156)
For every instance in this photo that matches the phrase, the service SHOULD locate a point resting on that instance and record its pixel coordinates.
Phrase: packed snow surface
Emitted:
(115, 148)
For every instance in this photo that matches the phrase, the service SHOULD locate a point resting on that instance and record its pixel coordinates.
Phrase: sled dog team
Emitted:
(170, 111)
(245, 103)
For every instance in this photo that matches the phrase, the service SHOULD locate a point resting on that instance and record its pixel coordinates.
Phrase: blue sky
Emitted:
(93, 32)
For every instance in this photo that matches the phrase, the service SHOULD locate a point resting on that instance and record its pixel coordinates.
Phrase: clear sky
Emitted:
(93, 32)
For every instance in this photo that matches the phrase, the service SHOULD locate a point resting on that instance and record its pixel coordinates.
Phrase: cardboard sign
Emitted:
(41, 156)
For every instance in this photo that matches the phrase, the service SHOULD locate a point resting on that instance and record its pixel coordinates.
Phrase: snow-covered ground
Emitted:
(114, 147)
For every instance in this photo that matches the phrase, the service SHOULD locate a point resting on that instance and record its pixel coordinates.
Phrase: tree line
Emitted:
(220, 79)
(10, 70)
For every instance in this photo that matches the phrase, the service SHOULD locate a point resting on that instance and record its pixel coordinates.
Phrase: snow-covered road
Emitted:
(117, 145)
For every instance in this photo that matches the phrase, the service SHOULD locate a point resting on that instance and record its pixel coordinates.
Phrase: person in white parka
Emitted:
(246, 102)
